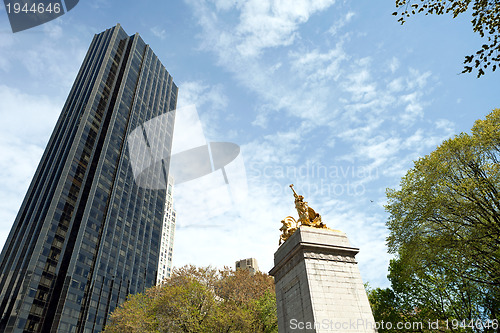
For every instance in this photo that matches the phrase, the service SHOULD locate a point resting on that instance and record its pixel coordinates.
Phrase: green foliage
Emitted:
(201, 300)
(428, 293)
(136, 315)
(486, 22)
(265, 309)
(385, 307)
(444, 226)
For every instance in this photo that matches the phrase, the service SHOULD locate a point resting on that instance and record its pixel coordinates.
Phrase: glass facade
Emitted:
(87, 235)
(167, 237)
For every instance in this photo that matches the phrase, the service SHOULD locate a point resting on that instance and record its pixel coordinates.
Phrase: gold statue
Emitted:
(307, 217)
(288, 228)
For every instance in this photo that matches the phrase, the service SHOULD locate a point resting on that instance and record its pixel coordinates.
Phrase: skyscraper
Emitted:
(88, 231)
(167, 237)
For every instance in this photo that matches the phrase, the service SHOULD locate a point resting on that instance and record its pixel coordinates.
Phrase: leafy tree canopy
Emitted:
(444, 226)
(201, 300)
(448, 207)
(486, 22)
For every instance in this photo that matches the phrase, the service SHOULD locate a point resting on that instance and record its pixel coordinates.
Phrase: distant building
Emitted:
(250, 264)
(167, 236)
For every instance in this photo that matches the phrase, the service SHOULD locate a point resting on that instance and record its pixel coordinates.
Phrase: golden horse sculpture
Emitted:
(307, 217)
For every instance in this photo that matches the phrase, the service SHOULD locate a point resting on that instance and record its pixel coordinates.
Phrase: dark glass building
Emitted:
(88, 231)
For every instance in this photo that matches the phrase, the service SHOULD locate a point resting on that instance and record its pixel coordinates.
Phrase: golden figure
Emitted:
(288, 228)
(307, 217)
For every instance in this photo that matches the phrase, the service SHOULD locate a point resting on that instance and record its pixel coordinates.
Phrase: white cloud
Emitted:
(47, 61)
(413, 108)
(225, 4)
(99, 4)
(159, 32)
(447, 126)
(263, 24)
(210, 102)
(396, 85)
(338, 25)
(418, 80)
(277, 148)
(380, 149)
(53, 29)
(316, 66)
(261, 119)
(414, 140)
(39, 115)
(366, 231)
(359, 86)
(281, 22)
(363, 132)
(4, 64)
(188, 130)
(251, 231)
(6, 42)
(201, 95)
(267, 24)
(394, 64)
(27, 121)
(50, 58)
(423, 142)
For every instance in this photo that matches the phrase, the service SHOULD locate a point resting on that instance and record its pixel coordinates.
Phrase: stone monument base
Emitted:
(318, 284)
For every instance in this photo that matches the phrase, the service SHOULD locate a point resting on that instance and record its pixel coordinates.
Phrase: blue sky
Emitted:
(335, 97)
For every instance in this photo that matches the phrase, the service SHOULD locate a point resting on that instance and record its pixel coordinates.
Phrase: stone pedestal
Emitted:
(318, 285)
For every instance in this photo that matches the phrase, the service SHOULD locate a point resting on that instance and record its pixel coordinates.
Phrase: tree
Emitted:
(265, 311)
(444, 226)
(254, 294)
(419, 298)
(486, 22)
(201, 300)
(135, 315)
(185, 304)
(386, 308)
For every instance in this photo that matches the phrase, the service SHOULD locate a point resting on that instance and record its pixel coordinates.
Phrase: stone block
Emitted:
(318, 285)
